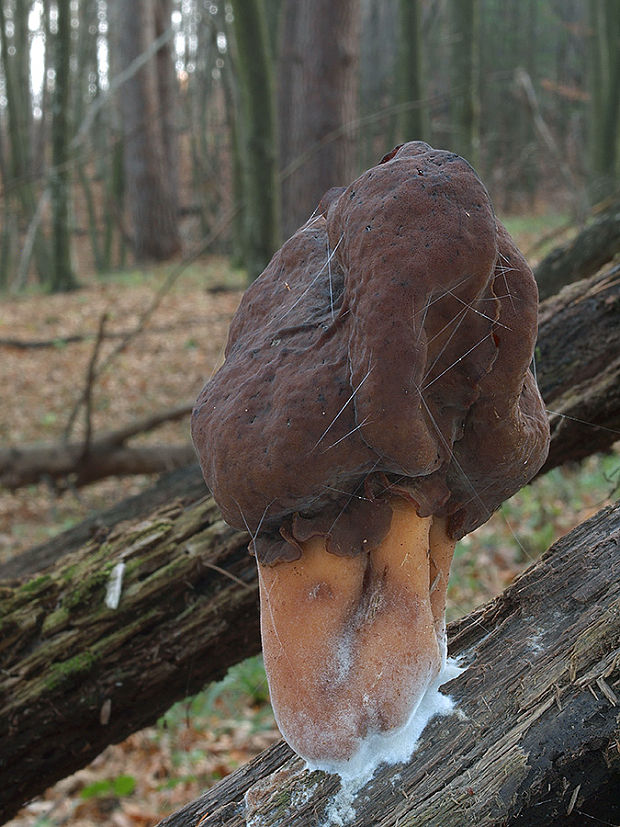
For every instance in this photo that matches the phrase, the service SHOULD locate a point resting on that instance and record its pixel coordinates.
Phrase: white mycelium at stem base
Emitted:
(351, 644)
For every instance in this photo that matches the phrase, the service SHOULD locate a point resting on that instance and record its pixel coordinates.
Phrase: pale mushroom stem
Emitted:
(352, 643)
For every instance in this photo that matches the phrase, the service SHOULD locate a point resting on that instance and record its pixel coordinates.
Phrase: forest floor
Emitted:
(202, 739)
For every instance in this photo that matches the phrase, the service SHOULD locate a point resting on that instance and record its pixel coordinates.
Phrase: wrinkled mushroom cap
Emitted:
(386, 348)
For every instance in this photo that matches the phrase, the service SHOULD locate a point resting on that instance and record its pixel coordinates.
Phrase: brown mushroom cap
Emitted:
(386, 347)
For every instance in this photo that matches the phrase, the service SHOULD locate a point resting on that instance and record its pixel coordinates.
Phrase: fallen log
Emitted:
(533, 741)
(581, 257)
(105, 455)
(578, 367)
(188, 609)
(65, 463)
(185, 486)
(78, 338)
(78, 673)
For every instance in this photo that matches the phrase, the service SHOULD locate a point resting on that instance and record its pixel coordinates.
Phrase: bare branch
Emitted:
(87, 395)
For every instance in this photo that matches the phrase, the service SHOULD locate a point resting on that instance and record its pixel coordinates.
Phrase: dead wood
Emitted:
(185, 486)
(76, 675)
(78, 338)
(578, 366)
(536, 655)
(535, 737)
(595, 245)
(85, 461)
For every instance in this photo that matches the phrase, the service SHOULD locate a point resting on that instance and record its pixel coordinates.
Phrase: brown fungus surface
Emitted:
(385, 349)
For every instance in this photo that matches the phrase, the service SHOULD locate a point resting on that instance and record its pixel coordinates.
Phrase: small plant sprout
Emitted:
(375, 405)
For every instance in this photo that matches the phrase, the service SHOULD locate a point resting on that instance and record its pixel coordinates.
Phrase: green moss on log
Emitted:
(70, 670)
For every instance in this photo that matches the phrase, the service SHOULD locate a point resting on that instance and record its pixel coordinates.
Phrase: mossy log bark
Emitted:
(76, 676)
(535, 736)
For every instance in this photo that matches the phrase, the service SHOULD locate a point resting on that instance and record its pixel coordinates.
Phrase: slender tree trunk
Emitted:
(235, 127)
(151, 199)
(167, 93)
(273, 9)
(41, 126)
(413, 119)
(62, 276)
(604, 94)
(21, 59)
(86, 77)
(289, 81)
(465, 93)
(8, 232)
(18, 129)
(318, 102)
(528, 136)
(258, 135)
(115, 241)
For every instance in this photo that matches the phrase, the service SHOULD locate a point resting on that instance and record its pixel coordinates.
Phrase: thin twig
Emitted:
(152, 307)
(79, 338)
(87, 393)
(233, 577)
(33, 226)
(122, 77)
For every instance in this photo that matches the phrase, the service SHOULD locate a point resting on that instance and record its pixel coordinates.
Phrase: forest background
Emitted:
(153, 155)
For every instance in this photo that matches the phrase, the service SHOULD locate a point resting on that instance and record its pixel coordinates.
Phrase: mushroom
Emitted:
(375, 404)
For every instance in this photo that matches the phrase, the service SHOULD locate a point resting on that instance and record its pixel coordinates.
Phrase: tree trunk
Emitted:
(167, 94)
(604, 38)
(62, 276)
(258, 136)
(413, 117)
(188, 603)
(18, 115)
(318, 102)
(379, 77)
(581, 257)
(534, 736)
(465, 100)
(150, 194)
